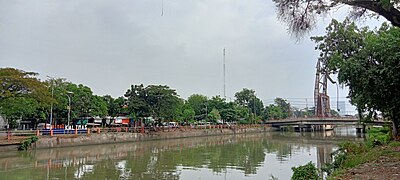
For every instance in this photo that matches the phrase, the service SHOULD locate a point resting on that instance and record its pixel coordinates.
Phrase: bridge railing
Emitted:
(314, 118)
(15, 135)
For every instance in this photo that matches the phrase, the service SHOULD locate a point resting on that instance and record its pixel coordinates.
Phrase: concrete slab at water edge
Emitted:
(119, 137)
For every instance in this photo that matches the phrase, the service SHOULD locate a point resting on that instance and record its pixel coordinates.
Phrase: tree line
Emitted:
(367, 61)
(25, 97)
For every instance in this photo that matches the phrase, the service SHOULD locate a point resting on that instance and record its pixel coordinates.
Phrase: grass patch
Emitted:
(350, 154)
(394, 144)
(377, 136)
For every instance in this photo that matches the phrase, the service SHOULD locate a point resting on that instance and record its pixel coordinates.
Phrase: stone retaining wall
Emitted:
(104, 138)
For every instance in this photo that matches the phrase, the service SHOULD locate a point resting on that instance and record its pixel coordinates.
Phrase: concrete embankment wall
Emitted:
(104, 138)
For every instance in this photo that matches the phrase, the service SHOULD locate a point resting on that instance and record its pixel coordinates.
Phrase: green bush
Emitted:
(28, 142)
(305, 172)
(244, 122)
(338, 157)
(345, 156)
(378, 136)
(352, 148)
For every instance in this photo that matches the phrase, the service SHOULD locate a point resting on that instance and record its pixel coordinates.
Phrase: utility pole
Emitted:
(206, 112)
(254, 105)
(69, 107)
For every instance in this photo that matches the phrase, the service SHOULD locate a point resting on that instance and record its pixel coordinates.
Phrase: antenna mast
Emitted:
(162, 7)
(224, 74)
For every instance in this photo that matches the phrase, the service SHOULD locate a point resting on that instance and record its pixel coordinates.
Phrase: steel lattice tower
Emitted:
(321, 98)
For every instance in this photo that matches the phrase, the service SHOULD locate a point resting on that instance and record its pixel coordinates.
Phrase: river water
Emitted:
(264, 156)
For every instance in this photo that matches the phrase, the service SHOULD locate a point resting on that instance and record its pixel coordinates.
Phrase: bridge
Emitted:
(321, 123)
(323, 119)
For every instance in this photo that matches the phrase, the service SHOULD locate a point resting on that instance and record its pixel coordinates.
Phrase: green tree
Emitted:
(116, 106)
(157, 101)
(15, 108)
(188, 113)
(281, 109)
(243, 113)
(274, 112)
(58, 87)
(98, 107)
(229, 115)
(81, 100)
(247, 98)
(217, 102)
(162, 101)
(136, 96)
(111, 105)
(199, 103)
(17, 83)
(84, 103)
(214, 115)
(300, 16)
(121, 106)
(284, 106)
(22, 96)
(368, 63)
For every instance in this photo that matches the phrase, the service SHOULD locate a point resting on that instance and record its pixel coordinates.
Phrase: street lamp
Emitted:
(337, 94)
(206, 111)
(337, 97)
(52, 96)
(69, 106)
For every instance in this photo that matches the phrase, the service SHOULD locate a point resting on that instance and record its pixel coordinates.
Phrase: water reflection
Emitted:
(254, 156)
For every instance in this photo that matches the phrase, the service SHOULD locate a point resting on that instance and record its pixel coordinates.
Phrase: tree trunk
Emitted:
(395, 129)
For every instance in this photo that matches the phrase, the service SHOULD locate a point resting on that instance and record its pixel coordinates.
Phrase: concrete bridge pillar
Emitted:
(360, 128)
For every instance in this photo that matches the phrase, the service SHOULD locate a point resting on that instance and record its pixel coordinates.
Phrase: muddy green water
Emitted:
(243, 156)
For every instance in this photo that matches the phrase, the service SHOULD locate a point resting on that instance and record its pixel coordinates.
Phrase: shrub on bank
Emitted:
(352, 154)
(378, 136)
(27, 143)
(305, 172)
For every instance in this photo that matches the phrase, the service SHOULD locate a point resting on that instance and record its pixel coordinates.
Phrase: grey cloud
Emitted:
(111, 44)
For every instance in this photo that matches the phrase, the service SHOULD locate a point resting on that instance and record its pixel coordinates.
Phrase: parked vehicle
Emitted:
(41, 126)
(173, 124)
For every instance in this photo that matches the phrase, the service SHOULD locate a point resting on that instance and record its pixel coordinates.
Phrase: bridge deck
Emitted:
(321, 121)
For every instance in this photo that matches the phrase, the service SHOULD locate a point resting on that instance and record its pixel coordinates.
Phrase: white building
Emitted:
(342, 108)
(3, 123)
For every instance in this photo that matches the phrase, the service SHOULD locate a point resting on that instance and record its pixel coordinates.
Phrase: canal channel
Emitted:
(268, 155)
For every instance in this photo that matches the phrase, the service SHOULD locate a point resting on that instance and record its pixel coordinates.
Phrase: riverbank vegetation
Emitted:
(370, 155)
(27, 143)
(24, 97)
(305, 172)
(351, 155)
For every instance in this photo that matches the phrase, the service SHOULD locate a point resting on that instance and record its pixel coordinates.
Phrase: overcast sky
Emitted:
(109, 45)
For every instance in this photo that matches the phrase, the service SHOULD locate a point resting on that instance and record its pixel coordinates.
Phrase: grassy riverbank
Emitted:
(377, 158)
(363, 162)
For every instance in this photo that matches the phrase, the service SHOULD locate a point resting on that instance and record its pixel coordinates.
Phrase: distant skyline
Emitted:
(109, 45)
